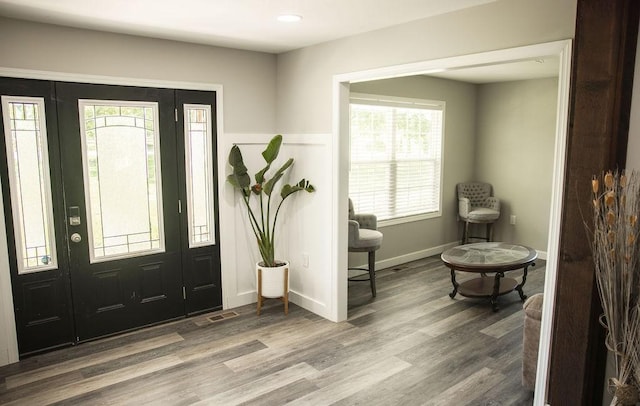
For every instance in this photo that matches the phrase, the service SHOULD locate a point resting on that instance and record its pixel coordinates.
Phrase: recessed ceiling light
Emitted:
(289, 18)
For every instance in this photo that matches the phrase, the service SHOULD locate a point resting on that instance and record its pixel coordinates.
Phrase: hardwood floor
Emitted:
(412, 345)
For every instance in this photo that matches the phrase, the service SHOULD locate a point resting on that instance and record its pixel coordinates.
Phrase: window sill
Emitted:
(408, 219)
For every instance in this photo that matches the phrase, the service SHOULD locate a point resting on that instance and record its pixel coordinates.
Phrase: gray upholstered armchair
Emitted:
(364, 237)
(477, 205)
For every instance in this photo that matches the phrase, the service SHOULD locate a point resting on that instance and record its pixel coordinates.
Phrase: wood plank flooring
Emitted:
(411, 345)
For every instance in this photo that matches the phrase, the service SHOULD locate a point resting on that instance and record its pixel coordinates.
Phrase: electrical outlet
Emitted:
(305, 260)
(513, 219)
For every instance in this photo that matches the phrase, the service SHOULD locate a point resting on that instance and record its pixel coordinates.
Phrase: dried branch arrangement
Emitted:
(615, 246)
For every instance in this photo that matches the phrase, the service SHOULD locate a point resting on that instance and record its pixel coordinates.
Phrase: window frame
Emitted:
(93, 258)
(406, 102)
(210, 174)
(15, 186)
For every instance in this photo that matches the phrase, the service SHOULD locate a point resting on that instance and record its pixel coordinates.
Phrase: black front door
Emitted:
(134, 205)
(121, 191)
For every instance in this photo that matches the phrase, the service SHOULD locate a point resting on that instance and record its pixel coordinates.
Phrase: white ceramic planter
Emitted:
(273, 280)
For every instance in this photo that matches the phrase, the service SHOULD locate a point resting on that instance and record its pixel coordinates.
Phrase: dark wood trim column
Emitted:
(602, 78)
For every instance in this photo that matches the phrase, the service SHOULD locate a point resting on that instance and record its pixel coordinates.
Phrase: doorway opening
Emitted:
(342, 83)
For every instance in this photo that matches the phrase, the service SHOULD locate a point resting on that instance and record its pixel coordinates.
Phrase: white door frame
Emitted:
(340, 179)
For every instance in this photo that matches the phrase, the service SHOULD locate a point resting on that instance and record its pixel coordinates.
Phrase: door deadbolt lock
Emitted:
(74, 216)
(75, 237)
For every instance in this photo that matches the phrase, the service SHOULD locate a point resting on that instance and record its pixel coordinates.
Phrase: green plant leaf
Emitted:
(268, 187)
(288, 190)
(235, 158)
(273, 149)
(269, 154)
(240, 178)
(260, 175)
(232, 179)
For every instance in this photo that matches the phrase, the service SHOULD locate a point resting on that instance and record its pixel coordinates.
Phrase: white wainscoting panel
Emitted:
(304, 223)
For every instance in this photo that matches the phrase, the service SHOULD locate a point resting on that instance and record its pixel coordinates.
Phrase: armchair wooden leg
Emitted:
(465, 233)
(489, 231)
(372, 272)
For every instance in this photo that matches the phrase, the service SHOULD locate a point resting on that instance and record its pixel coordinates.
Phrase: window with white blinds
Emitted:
(396, 156)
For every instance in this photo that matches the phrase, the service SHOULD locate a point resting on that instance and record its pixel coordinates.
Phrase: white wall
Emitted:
(516, 138)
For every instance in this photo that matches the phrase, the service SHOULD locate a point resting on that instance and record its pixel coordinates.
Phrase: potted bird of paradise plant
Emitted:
(263, 208)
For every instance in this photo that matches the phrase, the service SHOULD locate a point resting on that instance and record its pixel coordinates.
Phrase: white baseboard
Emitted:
(250, 297)
(310, 304)
(414, 256)
(241, 299)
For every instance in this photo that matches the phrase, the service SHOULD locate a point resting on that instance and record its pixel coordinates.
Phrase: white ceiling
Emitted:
(252, 24)
(243, 24)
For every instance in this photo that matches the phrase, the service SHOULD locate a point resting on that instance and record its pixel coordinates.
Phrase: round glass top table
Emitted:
(489, 257)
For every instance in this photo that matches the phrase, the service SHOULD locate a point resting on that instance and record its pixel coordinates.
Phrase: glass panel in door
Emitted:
(121, 166)
(199, 174)
(28, 166)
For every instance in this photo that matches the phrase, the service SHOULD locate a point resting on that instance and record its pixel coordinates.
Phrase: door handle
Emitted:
(75, 237)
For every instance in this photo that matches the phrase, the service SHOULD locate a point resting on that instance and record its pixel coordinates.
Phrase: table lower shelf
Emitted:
(483, 287)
